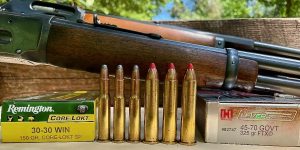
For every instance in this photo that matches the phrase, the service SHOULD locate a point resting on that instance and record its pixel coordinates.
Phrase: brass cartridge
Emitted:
(151, 106)
(119, 107)
(104, 106)
(170, 106)
(188, 106)
(134, 106)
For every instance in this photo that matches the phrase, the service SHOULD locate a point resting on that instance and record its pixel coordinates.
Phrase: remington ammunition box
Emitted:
(240, 118)
(56, 117)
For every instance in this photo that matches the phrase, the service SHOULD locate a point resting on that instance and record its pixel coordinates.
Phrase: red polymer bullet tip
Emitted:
(190, 66)
(171, 66)
(152, 66)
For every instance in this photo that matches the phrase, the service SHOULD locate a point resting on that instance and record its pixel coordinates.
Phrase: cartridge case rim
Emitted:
(103, 141)
(118, 141)
(150, 142)
(170, 142)
(133, 141)
(188, 143)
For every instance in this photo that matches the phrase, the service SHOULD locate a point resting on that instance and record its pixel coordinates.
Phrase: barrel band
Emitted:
(231, 69)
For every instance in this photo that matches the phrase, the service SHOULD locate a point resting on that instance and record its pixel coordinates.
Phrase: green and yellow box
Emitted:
(55, 117)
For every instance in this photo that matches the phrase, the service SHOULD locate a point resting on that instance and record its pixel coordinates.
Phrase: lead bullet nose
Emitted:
(135, 67)
(119, 67)
(104, 66)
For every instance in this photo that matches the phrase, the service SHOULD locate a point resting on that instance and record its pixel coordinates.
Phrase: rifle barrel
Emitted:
(279, 84)
(274, 63)
(277, 49)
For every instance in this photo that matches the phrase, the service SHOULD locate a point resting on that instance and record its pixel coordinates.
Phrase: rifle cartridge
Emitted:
(134, 106)
(104, 106)
(151, 106)
(188, 107)
(170, 106)
(119, 107)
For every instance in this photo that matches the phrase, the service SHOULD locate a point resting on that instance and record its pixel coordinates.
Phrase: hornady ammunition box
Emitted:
(56, 117)
(240, 118)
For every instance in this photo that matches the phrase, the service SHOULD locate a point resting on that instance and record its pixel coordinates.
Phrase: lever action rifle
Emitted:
(56, 34)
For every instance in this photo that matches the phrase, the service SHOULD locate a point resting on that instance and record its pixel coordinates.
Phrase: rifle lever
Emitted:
(33, 7)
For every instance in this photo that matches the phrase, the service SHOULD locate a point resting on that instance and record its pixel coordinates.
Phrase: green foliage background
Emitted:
(195, 9)
(218, 9)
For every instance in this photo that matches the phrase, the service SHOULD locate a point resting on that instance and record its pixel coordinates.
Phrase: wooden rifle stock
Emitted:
(167, 32)
(86, 47)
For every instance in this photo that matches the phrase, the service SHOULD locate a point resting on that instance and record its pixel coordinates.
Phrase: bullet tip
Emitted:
(135, 67)
(119, 67)
(190, 66)
(152, 66)
(104, 67)
(171, 66)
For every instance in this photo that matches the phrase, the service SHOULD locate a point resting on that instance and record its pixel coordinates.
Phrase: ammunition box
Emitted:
(55, 117)
(248, 119)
